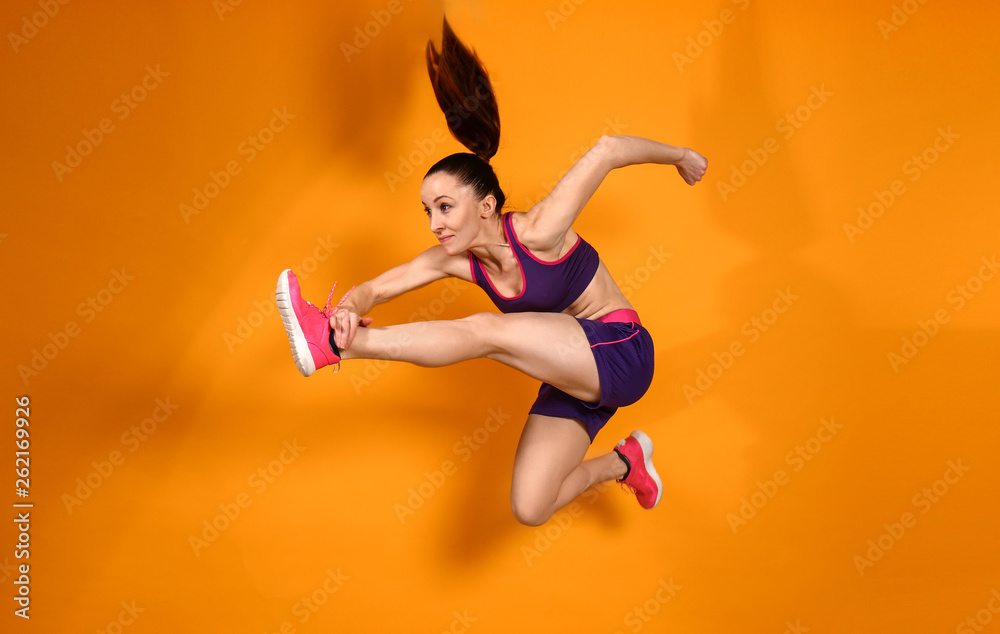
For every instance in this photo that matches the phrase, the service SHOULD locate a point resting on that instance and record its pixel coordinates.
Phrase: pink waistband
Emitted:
(622, 314)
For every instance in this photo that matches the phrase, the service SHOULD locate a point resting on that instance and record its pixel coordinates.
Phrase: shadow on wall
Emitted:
(371, 73)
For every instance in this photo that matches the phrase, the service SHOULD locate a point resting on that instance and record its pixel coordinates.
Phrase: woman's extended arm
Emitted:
(433, 264)
(547, 223)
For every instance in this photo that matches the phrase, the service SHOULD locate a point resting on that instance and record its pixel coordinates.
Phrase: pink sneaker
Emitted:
(641, 478)
(308, 327)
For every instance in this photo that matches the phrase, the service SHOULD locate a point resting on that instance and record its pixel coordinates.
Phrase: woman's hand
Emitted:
(692, 166)
(345, 324)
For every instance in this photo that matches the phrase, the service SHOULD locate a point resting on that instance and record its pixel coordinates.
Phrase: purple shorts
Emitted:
(623, 350)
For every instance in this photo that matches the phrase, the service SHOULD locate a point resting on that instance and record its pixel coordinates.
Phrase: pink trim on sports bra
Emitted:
(532, 255)
(524, 281)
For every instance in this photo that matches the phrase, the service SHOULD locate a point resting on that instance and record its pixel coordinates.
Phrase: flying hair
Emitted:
(465, 94)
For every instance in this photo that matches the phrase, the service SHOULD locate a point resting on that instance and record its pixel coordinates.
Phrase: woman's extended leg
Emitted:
(550, 347)
(549, 470)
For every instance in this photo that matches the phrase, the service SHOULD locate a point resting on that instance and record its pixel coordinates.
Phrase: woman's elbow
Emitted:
(608, 149)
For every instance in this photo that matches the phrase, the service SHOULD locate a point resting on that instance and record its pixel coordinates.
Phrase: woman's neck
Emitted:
(493, 247)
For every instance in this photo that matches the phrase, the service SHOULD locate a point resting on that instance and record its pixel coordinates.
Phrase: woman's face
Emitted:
(454, 213)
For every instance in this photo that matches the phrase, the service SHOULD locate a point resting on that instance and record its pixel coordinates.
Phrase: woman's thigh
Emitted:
(550, 347)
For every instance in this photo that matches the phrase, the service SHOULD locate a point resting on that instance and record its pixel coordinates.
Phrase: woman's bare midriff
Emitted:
(601, 297)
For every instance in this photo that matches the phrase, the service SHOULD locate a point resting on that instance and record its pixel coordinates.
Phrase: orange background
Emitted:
(196, 325)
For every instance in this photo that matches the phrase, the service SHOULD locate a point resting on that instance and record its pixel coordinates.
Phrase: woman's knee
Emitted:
(486, 327)
(530, 510)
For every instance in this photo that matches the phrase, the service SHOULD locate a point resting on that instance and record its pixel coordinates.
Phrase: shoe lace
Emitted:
(328, 312)
(627, 487)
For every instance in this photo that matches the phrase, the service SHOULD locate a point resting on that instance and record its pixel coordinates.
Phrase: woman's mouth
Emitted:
(445, 239)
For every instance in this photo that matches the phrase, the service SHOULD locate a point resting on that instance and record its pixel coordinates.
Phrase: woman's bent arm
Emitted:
(632, 150)
(547, 223)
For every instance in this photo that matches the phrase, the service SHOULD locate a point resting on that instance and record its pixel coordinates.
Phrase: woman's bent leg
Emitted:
(549, 470)
(550, 347)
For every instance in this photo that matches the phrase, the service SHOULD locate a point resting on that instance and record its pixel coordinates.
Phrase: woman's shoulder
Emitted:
(531, 235)
(458, 265)
(435, 263)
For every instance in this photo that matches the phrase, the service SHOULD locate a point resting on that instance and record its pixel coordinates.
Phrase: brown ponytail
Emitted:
(465, 94)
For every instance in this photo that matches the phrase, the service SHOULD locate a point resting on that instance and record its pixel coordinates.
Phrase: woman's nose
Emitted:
(436, 225)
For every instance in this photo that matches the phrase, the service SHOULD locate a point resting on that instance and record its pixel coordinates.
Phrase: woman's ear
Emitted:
(488, 206)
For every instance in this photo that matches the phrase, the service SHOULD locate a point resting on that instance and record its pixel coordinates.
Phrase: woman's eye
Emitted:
(445, 207)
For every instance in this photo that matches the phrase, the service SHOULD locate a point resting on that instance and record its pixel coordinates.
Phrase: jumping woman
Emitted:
(564, 320)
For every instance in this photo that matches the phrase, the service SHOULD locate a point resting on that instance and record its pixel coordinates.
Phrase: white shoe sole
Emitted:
(647, 454)
(296, 337)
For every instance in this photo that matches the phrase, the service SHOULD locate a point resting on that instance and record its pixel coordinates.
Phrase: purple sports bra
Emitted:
(548, 287)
